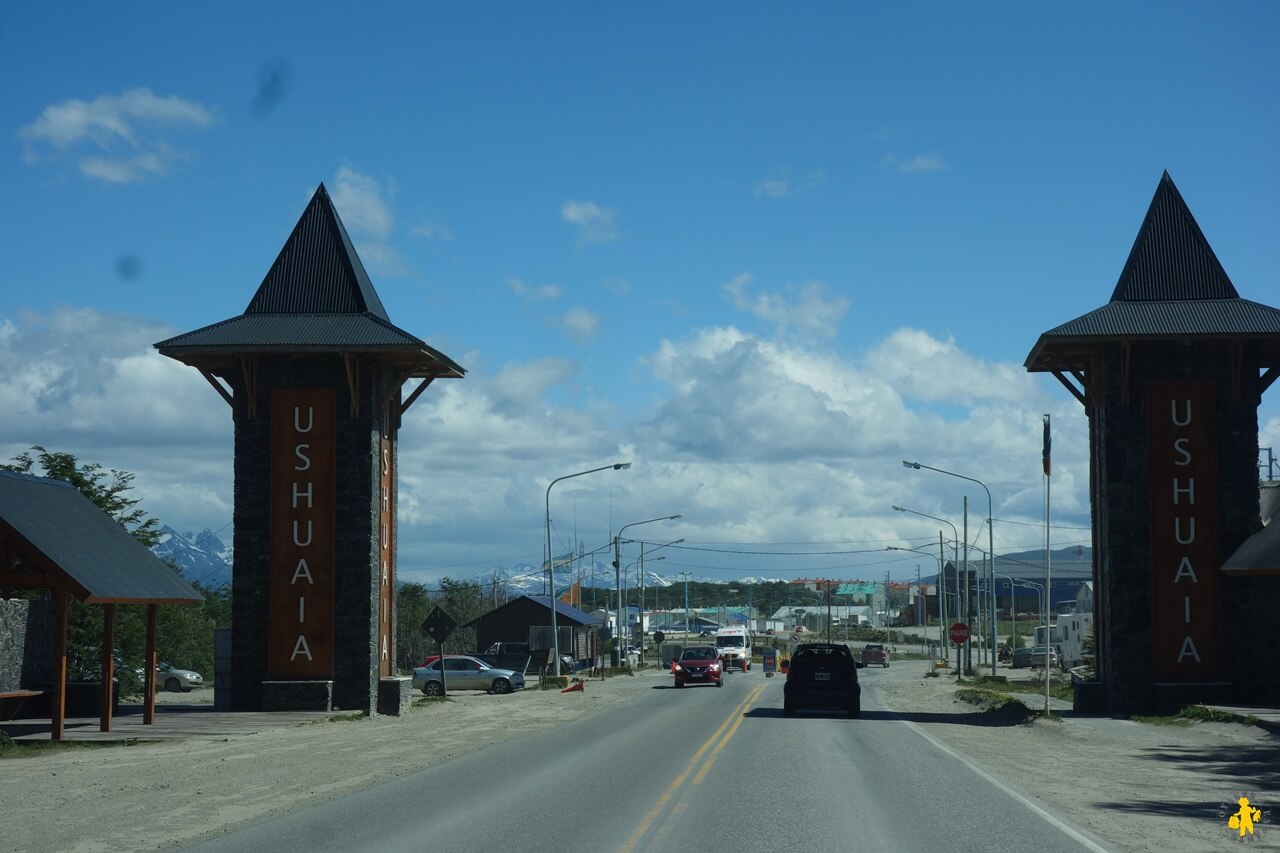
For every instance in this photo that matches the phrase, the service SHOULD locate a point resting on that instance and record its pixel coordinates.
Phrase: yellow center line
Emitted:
(706, 768)
(731, 722)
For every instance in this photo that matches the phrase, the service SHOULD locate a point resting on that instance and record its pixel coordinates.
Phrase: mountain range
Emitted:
(201, 557)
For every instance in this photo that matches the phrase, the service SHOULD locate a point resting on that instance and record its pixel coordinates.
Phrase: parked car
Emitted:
(1032, 656)
(463, 672)
(822, 675)
(172, 679)
(698, 665)
(875, 653)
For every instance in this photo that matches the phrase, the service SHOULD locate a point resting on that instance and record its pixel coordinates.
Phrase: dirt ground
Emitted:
(1141, 787)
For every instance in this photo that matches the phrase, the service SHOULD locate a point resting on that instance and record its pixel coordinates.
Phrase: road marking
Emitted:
(1063, 826)
(731, 723)
(715, 753)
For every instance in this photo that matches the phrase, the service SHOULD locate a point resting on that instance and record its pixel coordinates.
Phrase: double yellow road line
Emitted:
(710, 750)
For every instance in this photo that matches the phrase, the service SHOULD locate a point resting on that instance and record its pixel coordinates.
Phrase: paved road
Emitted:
(692, 769)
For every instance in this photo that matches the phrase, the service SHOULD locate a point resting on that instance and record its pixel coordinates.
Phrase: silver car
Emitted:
(172, 679)
(463, 672)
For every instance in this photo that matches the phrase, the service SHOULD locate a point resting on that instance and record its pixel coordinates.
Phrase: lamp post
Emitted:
(685, 575)
(941, 627)
(991, 547)
(955, 551)
(551, 560)
(642, 628)
(617, 568)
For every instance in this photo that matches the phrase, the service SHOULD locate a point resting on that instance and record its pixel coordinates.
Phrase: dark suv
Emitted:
(822, 675)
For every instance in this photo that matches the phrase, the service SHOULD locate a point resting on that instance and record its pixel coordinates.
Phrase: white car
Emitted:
(172, 679)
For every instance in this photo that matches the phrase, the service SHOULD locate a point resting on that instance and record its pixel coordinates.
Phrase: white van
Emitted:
(733, 645)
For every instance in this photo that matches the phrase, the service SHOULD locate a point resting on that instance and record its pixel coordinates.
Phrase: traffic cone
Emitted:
(575, 687)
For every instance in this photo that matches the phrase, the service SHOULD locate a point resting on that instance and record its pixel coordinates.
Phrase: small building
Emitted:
(527, 619)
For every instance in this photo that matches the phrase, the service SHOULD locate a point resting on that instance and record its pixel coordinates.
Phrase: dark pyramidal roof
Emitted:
(1172, 286)
(316, 296)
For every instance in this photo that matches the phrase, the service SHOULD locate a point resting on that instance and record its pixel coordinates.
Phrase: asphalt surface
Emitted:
(692, 769)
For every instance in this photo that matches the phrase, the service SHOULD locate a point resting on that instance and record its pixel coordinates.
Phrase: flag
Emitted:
(1047, 443)
(572, 594)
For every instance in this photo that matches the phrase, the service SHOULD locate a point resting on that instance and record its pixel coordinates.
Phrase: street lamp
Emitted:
(551, 560)
(941, 645)
(617, 567)
(955, 555)
(685, 576)
(991, 547)
(642, 628)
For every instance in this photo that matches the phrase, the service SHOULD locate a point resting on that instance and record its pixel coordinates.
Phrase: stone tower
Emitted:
(1171, 372)
(313, 371)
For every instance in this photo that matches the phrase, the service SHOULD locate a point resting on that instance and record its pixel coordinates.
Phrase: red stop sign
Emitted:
(959, 633)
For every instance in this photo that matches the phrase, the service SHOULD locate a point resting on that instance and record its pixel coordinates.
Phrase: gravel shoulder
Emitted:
(1139, 786)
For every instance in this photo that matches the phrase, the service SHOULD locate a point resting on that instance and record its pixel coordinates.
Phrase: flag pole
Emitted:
(1048, 559)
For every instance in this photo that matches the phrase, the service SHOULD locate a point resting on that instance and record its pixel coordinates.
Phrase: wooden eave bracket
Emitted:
(1269, 376)
(1078, 392)
(417, 392)
(352, 362)
(249, 371)
(223, 391)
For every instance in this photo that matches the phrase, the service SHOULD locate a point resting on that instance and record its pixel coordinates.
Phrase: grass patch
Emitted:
(18, 749)
(1001, 704)
(1171, 720)
(1193, 714)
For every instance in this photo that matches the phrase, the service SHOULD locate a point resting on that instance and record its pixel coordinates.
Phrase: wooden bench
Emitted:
(10, 709)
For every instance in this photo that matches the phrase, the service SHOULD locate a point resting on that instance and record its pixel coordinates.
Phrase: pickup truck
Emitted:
(875, 653)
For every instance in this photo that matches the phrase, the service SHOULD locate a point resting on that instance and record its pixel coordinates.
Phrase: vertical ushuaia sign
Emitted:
(1184, 530)
(303, 451)
(386, 547)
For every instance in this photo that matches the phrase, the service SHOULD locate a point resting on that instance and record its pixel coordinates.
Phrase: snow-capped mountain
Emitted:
(200, 556)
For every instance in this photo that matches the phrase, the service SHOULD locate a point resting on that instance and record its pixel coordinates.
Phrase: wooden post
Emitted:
(58, 711)
(149, 669)
(108, 666)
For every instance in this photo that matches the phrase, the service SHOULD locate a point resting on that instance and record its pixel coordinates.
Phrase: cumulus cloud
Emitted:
(538, 293)
(119, 139)
(595, 223)
(805, 309)
(433, 229)
(782, 184)
(580, 324)
(925, 368)
(753, 438)
(918, 165)
(112, 399)
(364, 204)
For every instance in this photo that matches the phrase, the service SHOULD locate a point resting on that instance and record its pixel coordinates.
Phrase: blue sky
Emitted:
(764, 252)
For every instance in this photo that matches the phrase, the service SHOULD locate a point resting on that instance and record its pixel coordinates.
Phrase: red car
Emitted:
(698, 665)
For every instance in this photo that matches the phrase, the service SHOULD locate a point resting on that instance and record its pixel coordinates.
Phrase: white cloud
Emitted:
(540, 293)
(920, 164)
(112, 399)
(925, 368)
(433, 229)
(805, 309)
(363, 203)
(580, 324)
(127, 133)
(781, 184)
(754, 439)
(595, 223)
